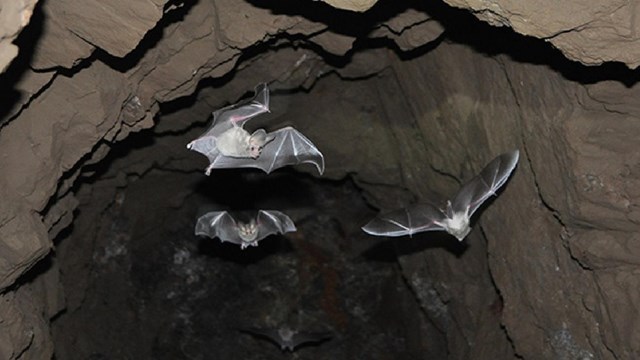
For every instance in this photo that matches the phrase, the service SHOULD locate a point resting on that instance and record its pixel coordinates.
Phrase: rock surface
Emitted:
(408, 99)
(14, 16)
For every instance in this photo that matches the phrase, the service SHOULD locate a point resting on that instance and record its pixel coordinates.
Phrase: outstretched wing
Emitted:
(225, 118)
(288, 147)
(407, 221)
(267, 334)
(218, 224)
(238, 114)
(307, 337)
(297, 339)
(206, 145)
(273, 222)
(485, 184)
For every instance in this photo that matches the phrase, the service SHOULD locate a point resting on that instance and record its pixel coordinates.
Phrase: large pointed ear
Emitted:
(260, 137)
(269, 138)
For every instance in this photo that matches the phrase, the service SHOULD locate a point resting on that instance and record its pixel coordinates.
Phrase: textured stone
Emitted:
(352, 5)
(71, 106)
(559, 264)
(116, 26)
(14, 337)
(14, 16)
(24, 242)
(410, 29)
(57, 46)
(583, 31)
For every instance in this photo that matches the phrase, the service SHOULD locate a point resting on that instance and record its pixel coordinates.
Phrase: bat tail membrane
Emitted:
(474, 193)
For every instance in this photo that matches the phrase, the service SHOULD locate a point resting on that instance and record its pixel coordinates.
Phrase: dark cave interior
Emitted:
(152, 289)
(139, 284)
(406, 101)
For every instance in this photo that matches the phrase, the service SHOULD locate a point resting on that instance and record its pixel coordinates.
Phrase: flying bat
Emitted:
(456, 218)
(289, 339)
(228, 145)
(222, 225)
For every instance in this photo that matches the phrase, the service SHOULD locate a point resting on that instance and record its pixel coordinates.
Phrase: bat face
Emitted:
(259, 139)
(248, 232)
(456, 218)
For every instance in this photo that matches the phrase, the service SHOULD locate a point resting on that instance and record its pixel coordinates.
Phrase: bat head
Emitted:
(257, 141)
(457, 223)
(286, 334)
(248, 232)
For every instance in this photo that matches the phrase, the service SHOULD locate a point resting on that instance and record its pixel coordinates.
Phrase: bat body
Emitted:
(289, 339)
(455, 219)
(222, 225)
(228, 145)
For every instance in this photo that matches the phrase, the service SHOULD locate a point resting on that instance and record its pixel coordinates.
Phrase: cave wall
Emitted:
(553, 259)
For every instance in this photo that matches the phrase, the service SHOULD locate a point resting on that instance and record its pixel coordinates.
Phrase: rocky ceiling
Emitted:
(406, 100)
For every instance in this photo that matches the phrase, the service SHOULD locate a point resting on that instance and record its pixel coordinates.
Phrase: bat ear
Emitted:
(269, 138)
(261, 137)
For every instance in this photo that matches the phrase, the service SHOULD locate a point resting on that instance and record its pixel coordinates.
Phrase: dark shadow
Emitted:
(390, 249)
(149, 40)
(26, 43)
(464, 28)
(460, 25)
(349, 23)
(66, 232)
(271, 245)
(117, 150)
(242, 189)
(37, 270)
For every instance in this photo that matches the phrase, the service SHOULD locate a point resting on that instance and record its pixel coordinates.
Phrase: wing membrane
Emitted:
(407, 221)
(485, 184)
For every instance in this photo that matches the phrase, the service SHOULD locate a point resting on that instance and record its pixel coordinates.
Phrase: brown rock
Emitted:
(586, 32)
(352, 5)
(14, 16)
(115, 27)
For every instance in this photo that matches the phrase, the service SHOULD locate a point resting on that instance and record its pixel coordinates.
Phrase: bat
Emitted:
(228, 145)
(457, 217)
(289, 339)
(222, 225)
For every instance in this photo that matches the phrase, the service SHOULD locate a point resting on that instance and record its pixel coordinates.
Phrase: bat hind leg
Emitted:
(207, 171)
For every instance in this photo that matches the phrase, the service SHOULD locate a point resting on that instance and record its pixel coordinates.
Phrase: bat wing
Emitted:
(303, 337)
(206, 145)
(289, 147)
(218, 224)
(299, 338)
(273, 222)
(269, 334)
(238, 114)
(407, 221)
(485, 184)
